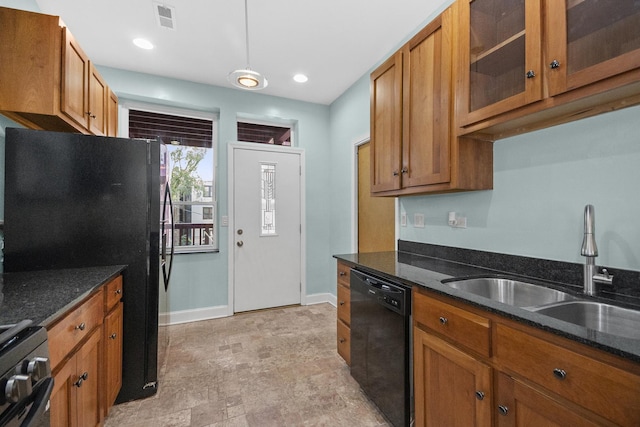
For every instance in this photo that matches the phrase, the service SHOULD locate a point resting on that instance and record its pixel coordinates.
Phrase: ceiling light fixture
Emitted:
(247, 78)
(143, 43)
(300, 78)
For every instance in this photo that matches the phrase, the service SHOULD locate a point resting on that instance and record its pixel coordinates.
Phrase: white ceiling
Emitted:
(334, 42)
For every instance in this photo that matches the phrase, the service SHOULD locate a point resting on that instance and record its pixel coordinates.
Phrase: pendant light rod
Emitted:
(246, 29)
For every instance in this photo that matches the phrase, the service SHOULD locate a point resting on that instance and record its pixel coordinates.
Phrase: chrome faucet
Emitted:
(590, 252)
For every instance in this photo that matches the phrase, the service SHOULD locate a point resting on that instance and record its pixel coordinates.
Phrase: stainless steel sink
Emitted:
(512, 292)
(602, 317)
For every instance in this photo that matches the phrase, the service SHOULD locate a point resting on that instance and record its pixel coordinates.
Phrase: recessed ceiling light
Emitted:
(300, 78)
(143, 43)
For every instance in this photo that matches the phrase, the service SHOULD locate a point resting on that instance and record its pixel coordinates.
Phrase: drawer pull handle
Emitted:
(443, 320)
(81, 379)
(559, 373)
(503, 410)
(342, 340)
(341, 302)
(479, 395)
(113, 336)
(81, 326)
(119, 291)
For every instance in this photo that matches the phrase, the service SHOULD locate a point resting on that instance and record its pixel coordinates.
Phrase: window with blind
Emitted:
(189, 167)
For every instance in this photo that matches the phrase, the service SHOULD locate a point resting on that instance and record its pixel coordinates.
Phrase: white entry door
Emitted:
(267, 228)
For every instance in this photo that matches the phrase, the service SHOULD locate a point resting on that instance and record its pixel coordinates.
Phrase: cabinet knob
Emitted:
(559, 373)
(530, 74)
(342, 273)
(342, 340)
(443, 320)
(81, 379)
(81, 326)
(554, 64)
(91, 115)
(405, 170)
(503, 410)
(119, 291)
(113, 336)
(396, 173)
(479, 395)
(341, 302)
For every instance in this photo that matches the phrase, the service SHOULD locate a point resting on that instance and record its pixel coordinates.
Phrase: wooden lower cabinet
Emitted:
(344, 312)
(519, 405)
(525, 377)
(451, 387)
(85, 347)
(75, 400)
(112, 356)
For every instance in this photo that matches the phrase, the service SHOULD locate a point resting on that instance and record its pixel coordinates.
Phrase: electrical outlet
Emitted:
(418, 220)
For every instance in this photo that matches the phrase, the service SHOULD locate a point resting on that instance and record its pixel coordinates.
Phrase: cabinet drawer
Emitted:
(344, 304)
(464, 328)
(343, 274)
(113, 293)
(601, 388)
(344, 342)
(74, 327)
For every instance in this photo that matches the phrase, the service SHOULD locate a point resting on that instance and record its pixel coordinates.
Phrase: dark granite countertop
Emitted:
(41, 296)
(419, 270)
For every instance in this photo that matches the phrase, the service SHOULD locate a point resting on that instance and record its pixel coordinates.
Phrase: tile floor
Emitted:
(276, 367)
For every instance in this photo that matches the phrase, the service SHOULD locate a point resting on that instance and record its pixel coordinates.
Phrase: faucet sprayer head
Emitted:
(589, 247)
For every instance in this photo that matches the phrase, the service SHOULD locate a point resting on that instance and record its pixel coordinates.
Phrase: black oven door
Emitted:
(31, 412)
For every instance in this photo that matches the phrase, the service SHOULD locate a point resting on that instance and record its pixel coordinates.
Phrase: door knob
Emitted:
(240, 243)
(239, 232)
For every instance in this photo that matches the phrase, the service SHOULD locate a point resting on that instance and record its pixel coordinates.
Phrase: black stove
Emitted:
(25, 381)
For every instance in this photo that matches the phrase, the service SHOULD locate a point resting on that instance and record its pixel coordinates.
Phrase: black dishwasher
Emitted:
(380, 344)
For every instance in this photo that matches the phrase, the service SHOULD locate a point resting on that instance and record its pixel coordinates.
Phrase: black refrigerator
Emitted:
(75, 200)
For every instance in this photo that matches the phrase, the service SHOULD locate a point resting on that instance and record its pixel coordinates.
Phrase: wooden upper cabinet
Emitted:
(75, 84)
(523, 65)
(112, 114)
(426, 101)
(413, 149)
(84, 91)
(588, 40)
(47, 80)
(500, 57)
(386, 125)
(98, 99)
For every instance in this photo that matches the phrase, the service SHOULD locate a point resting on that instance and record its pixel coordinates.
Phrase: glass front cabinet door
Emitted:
(590, 40)
(499, 58)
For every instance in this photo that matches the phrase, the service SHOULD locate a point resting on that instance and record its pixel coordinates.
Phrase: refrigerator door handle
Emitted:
(166, 270)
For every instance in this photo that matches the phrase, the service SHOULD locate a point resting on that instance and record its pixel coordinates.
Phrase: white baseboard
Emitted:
(195, 315)
(208, 313)
(321, 298)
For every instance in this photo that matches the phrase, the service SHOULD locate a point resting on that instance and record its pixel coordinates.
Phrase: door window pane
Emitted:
(268, 190)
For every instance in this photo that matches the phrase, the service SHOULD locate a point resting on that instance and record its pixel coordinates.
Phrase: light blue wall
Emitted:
(542, 181)
(200, 280)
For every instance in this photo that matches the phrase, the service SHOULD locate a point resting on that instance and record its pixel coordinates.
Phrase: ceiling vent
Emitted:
(165, 15)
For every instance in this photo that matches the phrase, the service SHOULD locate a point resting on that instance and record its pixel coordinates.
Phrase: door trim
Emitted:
(354, 200)
(231, 148)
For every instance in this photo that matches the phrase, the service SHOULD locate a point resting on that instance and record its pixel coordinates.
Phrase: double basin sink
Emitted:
(598, 316)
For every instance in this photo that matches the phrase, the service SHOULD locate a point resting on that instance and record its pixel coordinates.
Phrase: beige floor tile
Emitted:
(275, 367)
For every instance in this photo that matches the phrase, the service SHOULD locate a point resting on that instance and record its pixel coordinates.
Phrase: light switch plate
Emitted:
(224, 221)
(418, 220)
(403, 219)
